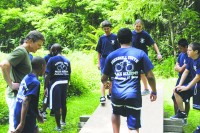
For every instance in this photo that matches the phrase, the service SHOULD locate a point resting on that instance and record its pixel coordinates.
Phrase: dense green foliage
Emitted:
(75, 24)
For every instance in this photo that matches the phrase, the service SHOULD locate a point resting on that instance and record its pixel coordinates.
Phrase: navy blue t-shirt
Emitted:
(107, 44)
(47, 57)
(182, 60)
(59, 68)
(29, 86)
(141, 40)
(126, 65)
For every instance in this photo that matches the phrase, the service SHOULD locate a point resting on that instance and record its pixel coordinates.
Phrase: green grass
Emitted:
(77, 106)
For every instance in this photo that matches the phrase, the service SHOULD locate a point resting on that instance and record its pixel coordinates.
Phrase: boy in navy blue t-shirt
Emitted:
(142, 40)
(26, 108)
(125, 64)
(106, 44)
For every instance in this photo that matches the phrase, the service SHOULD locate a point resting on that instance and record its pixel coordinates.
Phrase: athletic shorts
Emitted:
(177, 82)
(128, 108)
(185, 95)
(57, 95)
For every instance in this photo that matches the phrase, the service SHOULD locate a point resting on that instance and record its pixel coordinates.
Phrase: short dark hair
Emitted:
(56, 49)
(34, 36)
(37, 63)
(106, 23)
(183, 42)
(195, 46)
(124, 36)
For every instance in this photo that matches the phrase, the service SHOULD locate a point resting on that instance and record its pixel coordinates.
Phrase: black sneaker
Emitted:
(179, 115)
(109, 96)
(102, 99)
(197, 130)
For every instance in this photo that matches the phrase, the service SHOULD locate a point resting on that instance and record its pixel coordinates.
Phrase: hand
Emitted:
(181, 88)
(107, 85)
(159, 56)
(19, 128)
(40, 118)
(14, 86)
(153, 97)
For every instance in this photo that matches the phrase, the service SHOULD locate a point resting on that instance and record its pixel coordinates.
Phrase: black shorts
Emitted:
(185, 95)
(129, 108)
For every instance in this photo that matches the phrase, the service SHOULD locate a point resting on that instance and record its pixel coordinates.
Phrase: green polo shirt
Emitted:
(20, 66)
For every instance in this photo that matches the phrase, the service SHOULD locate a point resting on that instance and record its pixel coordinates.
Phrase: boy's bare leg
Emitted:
(115, 123)
(175, 106)
(102, 90)
(179, 101)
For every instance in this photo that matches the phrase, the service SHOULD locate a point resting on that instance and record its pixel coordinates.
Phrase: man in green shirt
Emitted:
(16, 66)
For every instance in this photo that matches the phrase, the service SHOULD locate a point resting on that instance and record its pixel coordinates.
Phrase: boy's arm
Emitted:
(99, 56)
(24, 110)
(47, 78)
(180, 69)
(159, 56)
(152, 82)
(183, 77)
(190, 85)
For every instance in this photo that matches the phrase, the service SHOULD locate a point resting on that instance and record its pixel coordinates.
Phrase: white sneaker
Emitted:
(62, 124)
(145, 92)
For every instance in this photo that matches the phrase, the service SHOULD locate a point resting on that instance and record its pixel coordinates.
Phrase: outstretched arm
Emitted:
(159, 56)
(99, 56)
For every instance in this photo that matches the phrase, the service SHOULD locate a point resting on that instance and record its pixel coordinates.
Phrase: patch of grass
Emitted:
(77, 106)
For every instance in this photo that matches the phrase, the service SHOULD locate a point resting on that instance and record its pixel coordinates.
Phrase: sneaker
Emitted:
(179, 115)
(145, 92)
(109, 96)
(197, 130)
(62, 124)
(102, 99)
(59, 129)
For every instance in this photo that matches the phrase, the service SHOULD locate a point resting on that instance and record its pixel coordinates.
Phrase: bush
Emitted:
(84, 74)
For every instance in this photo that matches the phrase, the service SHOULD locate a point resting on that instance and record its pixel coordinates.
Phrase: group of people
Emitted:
(122, 66)
(21, 73)
(188, 82)
(123, 61)
(108, 43)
